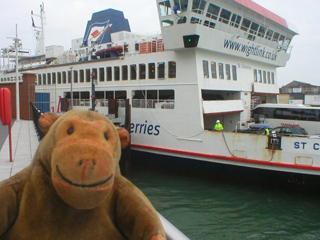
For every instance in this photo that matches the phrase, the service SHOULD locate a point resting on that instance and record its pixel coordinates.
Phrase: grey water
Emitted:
(204, 208)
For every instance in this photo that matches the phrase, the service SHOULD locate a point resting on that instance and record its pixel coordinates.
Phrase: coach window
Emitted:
(88, 77)
(152, 70)
(213, 70)
(116, 72)
(133, 72)
(44, 79)
(69, 76)
(142, 71)
(234, 73)
(109, 73)
(228, 72)
(124, 72)
(260, 76)
(64, 77)
(75, 76)
(161, 70)
(101, 74)
(255, 75)
(221, 71)
(39, 79)
(205, 66)
(54, 78)
(172, 69)
(59, 78)
(49, 78)
(272, 78)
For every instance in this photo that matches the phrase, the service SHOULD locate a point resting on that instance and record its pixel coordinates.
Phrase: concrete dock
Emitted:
(24, 145)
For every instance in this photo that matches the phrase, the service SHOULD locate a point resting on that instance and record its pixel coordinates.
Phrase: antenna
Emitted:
(39, 31)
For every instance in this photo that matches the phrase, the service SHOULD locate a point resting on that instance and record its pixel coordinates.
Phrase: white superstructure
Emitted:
(213, 59)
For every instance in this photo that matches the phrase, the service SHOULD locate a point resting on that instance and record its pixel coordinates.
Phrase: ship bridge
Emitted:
(239, 28)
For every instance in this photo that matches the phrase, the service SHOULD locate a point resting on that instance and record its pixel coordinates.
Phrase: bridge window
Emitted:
(254, 28)
(272, 78)
(269, 34)
(235, 20)
(262, 31)
(167, 23)
(198, 6)
(69, 76)
(182, 20)
(195, 20)
(182, 4)
(245, 24)
(264, 77)
(213, 11)
(260, 76)
(101, 74)
(225, 16)
(165, 8)
(209, 24)
(276, 36)
(44, 79)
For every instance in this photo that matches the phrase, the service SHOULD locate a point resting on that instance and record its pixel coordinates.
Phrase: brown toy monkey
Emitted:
(73, 189)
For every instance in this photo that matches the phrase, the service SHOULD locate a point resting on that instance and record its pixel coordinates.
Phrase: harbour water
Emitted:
(205, 208)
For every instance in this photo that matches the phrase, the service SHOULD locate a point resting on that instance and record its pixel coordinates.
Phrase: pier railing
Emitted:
(36, 113)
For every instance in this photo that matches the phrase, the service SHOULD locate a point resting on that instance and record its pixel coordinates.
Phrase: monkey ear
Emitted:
(124, 137)
(46, 120)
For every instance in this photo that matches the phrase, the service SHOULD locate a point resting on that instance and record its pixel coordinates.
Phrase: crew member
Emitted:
(266, 130)
(218, 126)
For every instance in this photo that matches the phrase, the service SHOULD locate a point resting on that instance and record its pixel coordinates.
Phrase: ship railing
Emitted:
(153, 103)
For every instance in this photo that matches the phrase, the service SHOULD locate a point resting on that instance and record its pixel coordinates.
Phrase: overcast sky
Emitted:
(67, 20)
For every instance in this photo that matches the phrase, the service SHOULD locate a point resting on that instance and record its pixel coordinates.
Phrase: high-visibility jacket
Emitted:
(218, 127)
(266, 131)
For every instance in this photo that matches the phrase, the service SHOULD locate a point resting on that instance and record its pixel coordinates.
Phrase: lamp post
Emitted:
(16, 41)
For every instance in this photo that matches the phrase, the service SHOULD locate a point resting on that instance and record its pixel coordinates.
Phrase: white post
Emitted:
(17, 73)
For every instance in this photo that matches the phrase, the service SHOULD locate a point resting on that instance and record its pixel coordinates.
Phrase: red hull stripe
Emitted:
(212, 156)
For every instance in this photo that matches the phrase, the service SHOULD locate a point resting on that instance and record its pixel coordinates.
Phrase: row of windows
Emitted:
(225, 16)
(262, 76)
(162, 99)
(225, 71)
(10, 79)
(132, 72)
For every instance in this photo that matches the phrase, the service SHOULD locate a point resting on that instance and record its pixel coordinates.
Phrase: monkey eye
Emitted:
(106, 136)
(70, 130)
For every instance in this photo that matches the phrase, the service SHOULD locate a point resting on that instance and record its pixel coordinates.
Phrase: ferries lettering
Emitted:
(145, 128)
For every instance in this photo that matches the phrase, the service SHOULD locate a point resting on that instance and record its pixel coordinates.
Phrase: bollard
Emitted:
(6, 113)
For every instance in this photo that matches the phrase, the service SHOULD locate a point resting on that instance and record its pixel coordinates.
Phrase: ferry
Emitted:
(210, 62)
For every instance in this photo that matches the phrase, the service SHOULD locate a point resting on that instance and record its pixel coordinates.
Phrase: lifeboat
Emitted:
(116, 49)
